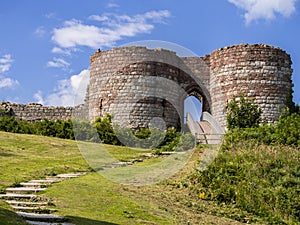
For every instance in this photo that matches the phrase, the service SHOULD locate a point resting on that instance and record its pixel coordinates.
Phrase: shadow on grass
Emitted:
(85, 221)
(4, 154)
(8, 217)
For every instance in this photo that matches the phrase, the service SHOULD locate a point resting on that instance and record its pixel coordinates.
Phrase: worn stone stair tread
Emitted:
(13, 195)
(46, 223)
(24, 189)
(50, 180)
(69, 175)
(33, 184)
(25, 208)
(14, 202)
(41, 217)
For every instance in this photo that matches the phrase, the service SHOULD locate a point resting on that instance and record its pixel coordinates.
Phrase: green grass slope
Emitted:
(92, 199)
(87, 200)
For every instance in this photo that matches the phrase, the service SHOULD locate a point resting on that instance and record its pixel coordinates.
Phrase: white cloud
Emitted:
(50, 15)
(98, 18)
(58, 63)
(62, 51)
(68, 92)
(5, 63)
(113, 28)
(40, 31)
(8, 83)
(38, 96)
(112, 5)
(265, 9)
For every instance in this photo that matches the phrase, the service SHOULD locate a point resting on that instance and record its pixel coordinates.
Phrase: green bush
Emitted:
(58, 128)
(286, 131)
(84, 131)
(177, 141)
(105, 130)
(242, 113)
(102, 131)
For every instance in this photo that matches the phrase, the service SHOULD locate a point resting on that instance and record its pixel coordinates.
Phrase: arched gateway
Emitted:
(145, 87)
(141, 86)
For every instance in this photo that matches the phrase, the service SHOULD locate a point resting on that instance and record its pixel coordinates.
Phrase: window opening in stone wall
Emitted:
(193, 106)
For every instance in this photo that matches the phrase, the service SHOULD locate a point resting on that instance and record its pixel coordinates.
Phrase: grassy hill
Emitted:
(91, 199)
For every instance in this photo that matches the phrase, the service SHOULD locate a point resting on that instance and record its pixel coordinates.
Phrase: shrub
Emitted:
(105, 130)
(262, 180)
(242, 113)
(102, 131)
(286, 131)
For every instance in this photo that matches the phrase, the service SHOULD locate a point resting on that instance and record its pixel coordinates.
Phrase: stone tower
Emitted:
(259, 71)
(142, 86)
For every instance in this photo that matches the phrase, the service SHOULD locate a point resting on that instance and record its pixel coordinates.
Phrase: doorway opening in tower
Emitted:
(193, 106)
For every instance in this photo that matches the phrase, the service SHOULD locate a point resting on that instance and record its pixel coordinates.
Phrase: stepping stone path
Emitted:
(32, 207)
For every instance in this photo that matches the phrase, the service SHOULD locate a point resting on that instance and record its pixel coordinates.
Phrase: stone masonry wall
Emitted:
(35, 112)
(141, 86)
(259, 71)
(123, 82)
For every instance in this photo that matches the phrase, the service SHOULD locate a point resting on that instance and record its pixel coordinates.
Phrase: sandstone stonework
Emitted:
(140, 86)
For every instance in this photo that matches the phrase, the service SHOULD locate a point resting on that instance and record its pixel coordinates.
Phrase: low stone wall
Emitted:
(35, 112)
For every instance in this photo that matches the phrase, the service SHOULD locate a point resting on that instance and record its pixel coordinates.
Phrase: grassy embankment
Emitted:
(92, 199)
(241, 184)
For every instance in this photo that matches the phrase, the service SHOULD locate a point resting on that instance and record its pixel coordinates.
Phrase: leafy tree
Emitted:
(242, 113)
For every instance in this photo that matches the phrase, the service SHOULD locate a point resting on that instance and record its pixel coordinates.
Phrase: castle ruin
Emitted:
(141, 86)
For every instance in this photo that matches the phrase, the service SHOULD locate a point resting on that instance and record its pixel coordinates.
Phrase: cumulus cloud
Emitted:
(38, 96)
(265, 9)
(8, 83)
(58, 63)
(5, 64)
(57, 50)
(99, 18)
(112, 28)
(68, 92)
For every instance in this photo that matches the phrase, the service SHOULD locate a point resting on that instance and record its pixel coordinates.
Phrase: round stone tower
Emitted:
(144, 87)
(259, 71)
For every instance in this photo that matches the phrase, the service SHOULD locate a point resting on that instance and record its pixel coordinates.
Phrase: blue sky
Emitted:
(45, 46)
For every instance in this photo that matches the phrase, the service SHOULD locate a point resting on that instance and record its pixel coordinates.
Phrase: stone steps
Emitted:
(34, 184)
(23, 203)
(46, 223)
(70, 175)
(45, 181)
(41, 217)
(24, 190)
(17, 196)
(33, 208)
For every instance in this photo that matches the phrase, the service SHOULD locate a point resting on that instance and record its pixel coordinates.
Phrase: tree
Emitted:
(242, 113)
